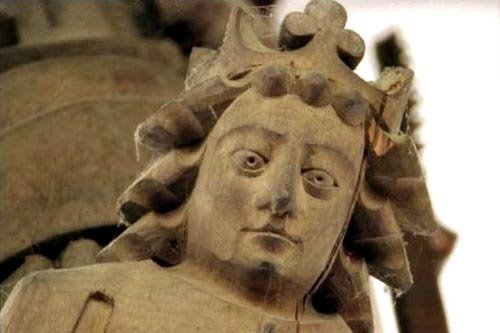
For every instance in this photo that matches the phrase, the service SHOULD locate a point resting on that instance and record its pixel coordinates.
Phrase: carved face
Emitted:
(275, 186)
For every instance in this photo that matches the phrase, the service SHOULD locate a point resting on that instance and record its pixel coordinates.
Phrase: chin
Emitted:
(262, 250)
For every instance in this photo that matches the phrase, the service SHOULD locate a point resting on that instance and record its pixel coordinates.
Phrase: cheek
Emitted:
(231, 195)
(321, 223)
(322, 220)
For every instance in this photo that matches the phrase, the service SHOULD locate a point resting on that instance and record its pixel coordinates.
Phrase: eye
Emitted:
(319, 178)
(319, 183)
(249, 162)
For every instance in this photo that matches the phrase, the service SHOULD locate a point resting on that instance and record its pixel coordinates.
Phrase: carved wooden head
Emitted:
(283, 155)
(276, 185)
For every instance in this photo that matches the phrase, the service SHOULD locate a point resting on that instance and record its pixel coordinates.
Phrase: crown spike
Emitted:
(200, 60)
(329, 12)
(350, 48)
(297, 30)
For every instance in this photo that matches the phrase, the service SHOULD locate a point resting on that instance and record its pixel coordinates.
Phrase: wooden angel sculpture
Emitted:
(280, 182)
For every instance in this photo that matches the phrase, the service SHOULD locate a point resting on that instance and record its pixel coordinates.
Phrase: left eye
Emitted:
(319, 178)
(249, 161)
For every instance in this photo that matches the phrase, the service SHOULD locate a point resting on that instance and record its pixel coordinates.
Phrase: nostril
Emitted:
(280, 204)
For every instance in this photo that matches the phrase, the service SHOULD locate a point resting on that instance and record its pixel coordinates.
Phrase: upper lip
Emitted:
(273, 230)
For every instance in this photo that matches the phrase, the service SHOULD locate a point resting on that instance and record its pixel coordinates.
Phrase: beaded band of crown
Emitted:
(314, 55)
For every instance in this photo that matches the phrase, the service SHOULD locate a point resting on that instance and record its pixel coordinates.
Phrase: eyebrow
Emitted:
(252, 129)
(330, 151)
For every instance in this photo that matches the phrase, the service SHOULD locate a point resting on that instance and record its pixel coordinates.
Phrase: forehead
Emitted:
(291, 119)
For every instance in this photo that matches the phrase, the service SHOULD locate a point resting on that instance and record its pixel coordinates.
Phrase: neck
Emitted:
(261, 286)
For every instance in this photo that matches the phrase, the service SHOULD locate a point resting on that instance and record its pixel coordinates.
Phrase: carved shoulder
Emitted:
(34, 297)
(120, 298)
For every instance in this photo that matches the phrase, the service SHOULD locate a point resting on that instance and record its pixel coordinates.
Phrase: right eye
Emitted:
(319, 183)
(249, 162)
(319, 178)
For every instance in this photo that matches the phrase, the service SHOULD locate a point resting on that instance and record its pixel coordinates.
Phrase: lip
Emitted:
(273, 232)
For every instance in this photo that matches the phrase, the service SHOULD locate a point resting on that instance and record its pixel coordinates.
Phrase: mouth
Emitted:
(275, 233)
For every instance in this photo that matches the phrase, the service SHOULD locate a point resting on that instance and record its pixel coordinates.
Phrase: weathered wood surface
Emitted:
(80, 252)
(50, 165)
(69, 66)
(40, 22)
(143, 297)
(421, 308)
(32, 263)
(280, 182)
(74, 84)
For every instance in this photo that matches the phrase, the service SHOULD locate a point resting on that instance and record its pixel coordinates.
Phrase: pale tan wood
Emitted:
(315, 90)
(347, 292)
(297, 30)
(32, 263)
(279, 183)
(396, 82)
(79, 252)
(173, 125)
(95, 314)
(200, 60)
(49, 21)
(351, 107)
(327, 11)
(179, 291)
(40, 171)
(399, 175)
(156, 236)
(376, 236)
(176, 172)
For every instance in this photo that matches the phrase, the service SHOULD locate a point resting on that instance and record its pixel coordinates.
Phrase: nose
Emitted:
(282, 203)
(278, 199)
